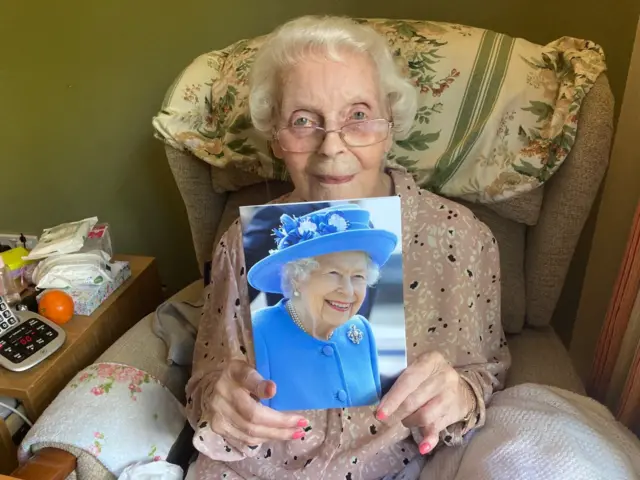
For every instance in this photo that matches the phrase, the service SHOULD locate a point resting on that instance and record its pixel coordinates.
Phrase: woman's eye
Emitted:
(359, 115)
(359, 277)
(302, 122)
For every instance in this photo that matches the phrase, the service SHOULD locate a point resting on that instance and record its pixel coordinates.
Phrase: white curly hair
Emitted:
(330, 36)
(298, 271)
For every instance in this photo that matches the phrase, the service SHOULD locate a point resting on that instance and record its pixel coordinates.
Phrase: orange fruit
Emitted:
(56, 306)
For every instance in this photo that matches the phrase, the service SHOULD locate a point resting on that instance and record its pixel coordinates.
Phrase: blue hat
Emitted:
(338, 228)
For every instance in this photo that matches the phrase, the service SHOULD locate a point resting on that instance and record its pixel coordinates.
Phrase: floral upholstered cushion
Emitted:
(497, 115)
(118, 414)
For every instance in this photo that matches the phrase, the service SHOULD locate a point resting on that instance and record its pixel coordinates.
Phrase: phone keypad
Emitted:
(19, 341)
(7, 317)
(25, 340)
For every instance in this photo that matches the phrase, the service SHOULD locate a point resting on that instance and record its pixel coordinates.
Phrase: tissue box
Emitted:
(87, 299)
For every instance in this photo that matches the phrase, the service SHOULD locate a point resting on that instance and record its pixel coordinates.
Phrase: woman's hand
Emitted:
(430, 395)
(238, 416)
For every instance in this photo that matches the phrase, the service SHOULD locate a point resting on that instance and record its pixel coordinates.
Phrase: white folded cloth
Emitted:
(152, 471)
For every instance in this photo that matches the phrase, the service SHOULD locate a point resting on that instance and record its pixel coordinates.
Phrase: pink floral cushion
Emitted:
(119, 414)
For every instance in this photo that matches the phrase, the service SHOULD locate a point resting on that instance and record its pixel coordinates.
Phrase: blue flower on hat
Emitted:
(333, 229)
(295, 230)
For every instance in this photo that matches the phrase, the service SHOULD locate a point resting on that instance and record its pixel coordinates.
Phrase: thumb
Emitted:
(430, 438)
(249, 379)
(266, 389)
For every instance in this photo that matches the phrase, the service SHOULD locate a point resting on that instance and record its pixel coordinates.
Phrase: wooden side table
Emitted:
(87, 338)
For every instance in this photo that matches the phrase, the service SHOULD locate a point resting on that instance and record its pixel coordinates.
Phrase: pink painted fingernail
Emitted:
(424, 448)
(380, 415)
(297, 435)
(303, 423)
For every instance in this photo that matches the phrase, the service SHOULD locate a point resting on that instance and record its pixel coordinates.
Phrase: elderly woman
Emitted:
(326, 90)
(257, 240)
(312, 344)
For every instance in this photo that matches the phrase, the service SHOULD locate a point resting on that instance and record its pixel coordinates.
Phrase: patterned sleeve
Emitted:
(224, 334)
(486, 350)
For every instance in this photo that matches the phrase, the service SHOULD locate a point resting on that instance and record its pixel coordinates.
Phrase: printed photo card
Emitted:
(325, 284)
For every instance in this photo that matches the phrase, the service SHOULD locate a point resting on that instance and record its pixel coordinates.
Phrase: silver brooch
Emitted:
(355, 334)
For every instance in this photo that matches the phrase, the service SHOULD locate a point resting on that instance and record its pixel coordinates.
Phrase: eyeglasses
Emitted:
(307, 139)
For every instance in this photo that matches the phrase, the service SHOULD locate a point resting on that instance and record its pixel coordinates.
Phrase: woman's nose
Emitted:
(332, 145)
(347, 287)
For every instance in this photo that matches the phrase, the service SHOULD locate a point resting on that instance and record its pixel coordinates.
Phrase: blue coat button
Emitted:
(327, 350)
(342, 395)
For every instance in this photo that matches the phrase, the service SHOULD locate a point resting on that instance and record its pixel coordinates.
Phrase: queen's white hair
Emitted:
(298, 271)
(329, 36)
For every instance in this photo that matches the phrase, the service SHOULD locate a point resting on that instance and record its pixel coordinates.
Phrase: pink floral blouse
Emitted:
(452, 304)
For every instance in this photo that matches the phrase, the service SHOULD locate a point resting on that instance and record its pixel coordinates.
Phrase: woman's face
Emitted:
(335, 290)
(328, 94)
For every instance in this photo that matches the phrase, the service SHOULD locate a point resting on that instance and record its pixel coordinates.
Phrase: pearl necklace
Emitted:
(296, 319)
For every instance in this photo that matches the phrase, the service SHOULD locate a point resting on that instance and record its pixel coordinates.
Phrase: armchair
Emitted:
(535, 258)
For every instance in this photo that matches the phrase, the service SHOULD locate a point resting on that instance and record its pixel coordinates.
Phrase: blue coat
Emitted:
(315, 374)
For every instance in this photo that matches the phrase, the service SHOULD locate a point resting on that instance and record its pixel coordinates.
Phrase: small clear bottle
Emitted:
(8, 287)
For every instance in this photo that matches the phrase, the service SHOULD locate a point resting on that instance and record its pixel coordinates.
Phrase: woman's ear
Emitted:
(293, 289)
(276, 149)
(388, 145)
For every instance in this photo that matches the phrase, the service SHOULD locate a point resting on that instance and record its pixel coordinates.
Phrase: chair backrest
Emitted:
(535, 253)
(496, 118)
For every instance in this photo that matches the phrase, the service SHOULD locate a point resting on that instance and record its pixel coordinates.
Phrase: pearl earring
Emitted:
(296, 293)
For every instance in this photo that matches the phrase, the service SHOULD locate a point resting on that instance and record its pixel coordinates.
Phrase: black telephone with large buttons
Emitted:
(26, 338)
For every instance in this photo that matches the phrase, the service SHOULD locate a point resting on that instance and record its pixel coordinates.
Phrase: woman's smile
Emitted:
(339, 306)
(334, 179)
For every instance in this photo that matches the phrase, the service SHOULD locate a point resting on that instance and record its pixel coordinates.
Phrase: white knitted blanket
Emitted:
(536, 432)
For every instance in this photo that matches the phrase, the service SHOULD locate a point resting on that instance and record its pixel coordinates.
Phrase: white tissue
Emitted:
(64, 238)
(73, 270)
(159, 470)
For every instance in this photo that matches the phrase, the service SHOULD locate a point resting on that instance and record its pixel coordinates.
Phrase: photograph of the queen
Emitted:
(313, 339)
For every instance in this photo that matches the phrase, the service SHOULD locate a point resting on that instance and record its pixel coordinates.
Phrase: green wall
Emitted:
(80, 81)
